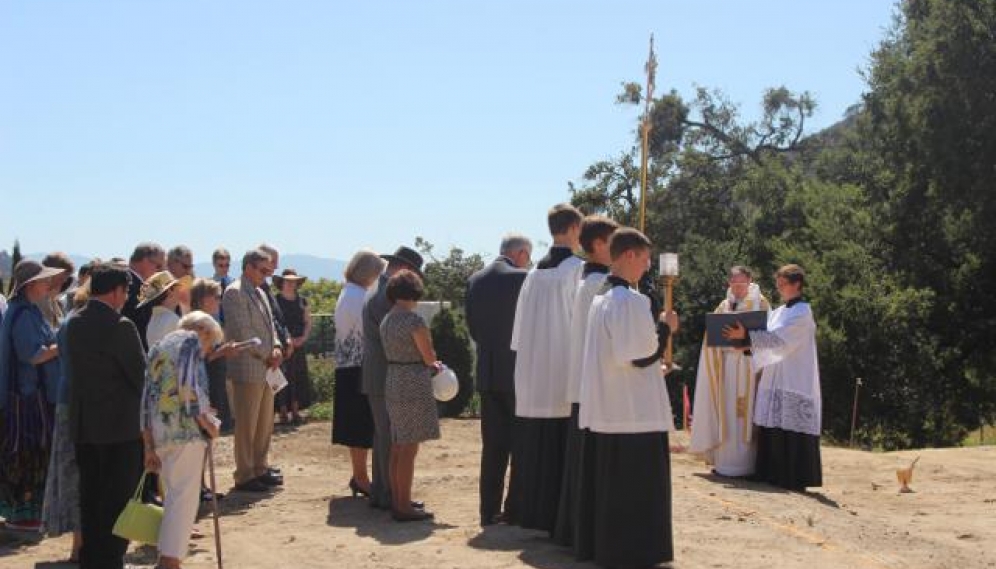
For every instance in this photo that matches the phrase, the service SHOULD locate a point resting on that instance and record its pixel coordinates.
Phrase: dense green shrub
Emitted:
(452, 343)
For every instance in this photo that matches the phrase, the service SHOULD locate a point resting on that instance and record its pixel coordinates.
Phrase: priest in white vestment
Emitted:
(788, 408)
(722, 416)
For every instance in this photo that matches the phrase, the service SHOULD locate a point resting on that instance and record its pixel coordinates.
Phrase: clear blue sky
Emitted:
(323, 126)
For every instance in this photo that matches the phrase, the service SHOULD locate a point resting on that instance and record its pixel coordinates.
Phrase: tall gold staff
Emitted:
(651, 69)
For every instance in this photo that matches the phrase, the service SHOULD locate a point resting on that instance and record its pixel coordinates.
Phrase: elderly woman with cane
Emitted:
(177, 422)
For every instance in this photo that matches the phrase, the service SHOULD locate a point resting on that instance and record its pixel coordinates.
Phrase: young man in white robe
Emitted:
(541, 340)
(625, 496)
(788, 409)
(723, 425)
(596, 231)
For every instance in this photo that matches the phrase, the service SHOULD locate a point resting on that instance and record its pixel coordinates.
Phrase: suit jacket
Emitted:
(375, 309)
(131, 311)
(247, 315)
(106, 374)
(279, 322)
(492, 294)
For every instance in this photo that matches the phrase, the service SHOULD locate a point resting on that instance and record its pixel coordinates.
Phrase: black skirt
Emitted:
(352, 421)
(570, 486)
(299, 389)
(629, 518)
(788, 459)
(538, 447)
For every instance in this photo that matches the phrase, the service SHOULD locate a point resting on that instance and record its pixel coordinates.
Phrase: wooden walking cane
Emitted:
(214, 502)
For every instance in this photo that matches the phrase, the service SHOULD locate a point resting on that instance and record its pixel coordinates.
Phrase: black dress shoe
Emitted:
(253, 485)
(270, 480)
(492, 519)
(274, 470)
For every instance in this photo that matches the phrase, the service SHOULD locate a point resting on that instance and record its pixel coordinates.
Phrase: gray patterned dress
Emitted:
(408, 390)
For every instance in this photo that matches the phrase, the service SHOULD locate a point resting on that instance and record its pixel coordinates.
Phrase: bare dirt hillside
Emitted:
(858, 519)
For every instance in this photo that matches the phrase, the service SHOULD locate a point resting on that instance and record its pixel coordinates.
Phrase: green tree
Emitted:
(889, 211)
(930, 122)
(446, 279)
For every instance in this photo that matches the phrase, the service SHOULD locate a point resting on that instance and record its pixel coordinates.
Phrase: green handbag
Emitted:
(138, 521)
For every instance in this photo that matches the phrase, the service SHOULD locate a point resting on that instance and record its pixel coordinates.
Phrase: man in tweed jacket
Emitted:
(247, 316)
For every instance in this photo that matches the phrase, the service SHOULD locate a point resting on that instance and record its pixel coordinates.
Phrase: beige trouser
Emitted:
(181, 475)
(252, 404)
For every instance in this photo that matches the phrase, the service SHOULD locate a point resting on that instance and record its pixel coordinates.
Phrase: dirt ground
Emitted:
(858, 519)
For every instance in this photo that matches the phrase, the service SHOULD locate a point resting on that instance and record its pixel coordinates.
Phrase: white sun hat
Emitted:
(445, 385)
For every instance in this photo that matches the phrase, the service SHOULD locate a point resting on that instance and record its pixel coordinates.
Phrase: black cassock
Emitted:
(624, 505)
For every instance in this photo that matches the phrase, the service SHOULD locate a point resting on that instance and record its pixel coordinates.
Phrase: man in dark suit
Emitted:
(492, 294)
(106, 376)
(146, 260)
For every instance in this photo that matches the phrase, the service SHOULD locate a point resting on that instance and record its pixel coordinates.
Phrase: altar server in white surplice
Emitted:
(722, 429)
(788, 409)
(541, 340)
(625, 495)
(595, 233)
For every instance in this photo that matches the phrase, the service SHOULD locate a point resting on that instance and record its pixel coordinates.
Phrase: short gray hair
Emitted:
(179, 252)
(144, 251)
(269, 249)
(254, 256)
(740, 270)
(514, 242)
(198, 321)
(364, 267)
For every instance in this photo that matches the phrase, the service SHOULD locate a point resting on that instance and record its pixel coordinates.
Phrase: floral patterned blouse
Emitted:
(349, 326)
(176, 389)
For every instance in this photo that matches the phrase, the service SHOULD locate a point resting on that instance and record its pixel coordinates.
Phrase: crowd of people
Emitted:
(135, 365)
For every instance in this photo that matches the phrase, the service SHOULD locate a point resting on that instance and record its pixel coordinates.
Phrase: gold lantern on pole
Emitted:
(669, 274)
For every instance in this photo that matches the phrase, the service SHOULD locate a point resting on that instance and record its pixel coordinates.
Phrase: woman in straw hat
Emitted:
(176, 423)
(29, 357)
(297, 317)
(162, 293)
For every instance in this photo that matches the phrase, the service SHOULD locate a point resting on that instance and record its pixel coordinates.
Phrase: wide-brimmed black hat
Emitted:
(407, 256)
(289, 275)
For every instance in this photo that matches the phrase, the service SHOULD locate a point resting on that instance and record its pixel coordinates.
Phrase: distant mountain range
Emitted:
(309, 266)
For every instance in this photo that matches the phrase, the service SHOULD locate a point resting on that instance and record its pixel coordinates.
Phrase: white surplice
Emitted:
(722, 418)
(617, 396)
(788, 394)
(587, 289)
(541, 339)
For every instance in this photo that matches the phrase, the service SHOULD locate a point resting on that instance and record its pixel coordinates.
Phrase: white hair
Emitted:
(515, 242)
(199, 321)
